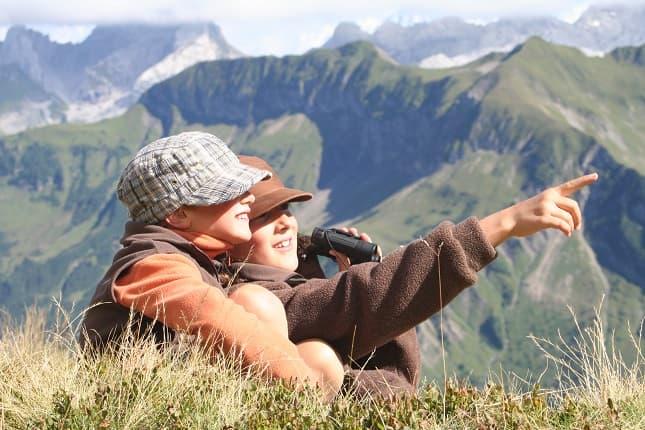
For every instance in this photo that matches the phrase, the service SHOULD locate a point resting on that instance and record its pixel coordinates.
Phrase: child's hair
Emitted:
(192, 168)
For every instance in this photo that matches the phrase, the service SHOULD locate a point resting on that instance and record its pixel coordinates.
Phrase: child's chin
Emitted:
(291, 264)
(240, 237)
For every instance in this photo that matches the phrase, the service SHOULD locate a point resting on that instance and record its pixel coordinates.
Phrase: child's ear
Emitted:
(179, 219)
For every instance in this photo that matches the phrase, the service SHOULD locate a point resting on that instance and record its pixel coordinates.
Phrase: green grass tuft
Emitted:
(46, 382)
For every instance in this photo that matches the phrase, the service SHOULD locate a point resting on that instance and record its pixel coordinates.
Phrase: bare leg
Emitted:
(263, 304)
(323, 359)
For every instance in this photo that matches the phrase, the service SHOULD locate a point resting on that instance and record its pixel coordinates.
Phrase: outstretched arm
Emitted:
(552, 208)
(369, 304)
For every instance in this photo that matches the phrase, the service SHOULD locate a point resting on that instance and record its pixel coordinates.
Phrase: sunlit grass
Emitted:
(46, 382)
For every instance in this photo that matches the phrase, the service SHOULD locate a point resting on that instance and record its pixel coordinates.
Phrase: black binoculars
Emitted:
(324, 240)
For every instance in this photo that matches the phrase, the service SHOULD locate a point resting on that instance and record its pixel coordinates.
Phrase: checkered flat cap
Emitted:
(192, 168)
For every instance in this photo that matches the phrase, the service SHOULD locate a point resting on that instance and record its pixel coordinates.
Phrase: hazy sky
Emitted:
(267, 27)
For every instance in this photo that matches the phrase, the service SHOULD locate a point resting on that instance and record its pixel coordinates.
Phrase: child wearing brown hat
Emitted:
(390, 369)
(369, 305)
(188, 199)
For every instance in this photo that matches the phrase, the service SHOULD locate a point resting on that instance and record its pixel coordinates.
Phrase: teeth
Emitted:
(284, 243)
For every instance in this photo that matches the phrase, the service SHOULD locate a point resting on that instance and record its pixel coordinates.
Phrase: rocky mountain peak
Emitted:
(451, 41)
(389, 27)
(30, 50)
(449, 22)
(20, 33)
(344, 33)
(106, 73)
(213, 30)
(613, 26)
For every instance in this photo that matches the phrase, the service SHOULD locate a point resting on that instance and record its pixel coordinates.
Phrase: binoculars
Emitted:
(324, 240)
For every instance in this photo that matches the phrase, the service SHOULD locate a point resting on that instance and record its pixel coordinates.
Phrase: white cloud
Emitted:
(65, 33)
(277, 27)
(369, 24)
(87, 11)
(90, 12)
(478, 21)
(573, 13)
(277, 36)
(3, 31)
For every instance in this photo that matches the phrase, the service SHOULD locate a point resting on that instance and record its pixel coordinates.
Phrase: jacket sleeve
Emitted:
(372, 303)
(169, 288)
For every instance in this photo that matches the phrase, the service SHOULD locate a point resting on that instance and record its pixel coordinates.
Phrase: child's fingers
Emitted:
(572, 207)
(365, 237)
(574, 185)
(566, 217)
(550, 221)
(351, 230)
(341, 259)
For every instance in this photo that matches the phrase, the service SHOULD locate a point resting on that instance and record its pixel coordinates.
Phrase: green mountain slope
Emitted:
(392, 149)
(60, 216)
(594, 96)
(361, 104)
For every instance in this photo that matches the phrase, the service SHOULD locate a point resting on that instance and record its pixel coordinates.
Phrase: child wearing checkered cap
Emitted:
(188, 199)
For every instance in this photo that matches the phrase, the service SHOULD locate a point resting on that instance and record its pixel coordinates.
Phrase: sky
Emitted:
(260, 27)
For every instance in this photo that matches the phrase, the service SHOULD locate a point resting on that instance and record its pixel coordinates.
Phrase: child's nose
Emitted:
(248, 198)
(285, 221)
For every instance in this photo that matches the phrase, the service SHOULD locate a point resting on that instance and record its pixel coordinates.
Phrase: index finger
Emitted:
(366, 237)
(574, 185)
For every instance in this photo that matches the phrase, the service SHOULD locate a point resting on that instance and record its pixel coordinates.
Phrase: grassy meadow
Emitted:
(47, 383)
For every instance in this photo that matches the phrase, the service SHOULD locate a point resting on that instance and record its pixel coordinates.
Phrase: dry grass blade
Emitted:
(591, 368)
(46, 382)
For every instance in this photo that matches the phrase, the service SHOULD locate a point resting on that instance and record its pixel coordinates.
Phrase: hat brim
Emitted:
(228, 186)
(266, 202)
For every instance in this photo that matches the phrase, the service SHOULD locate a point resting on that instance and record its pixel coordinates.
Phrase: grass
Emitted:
(594, 364)
(46, 382)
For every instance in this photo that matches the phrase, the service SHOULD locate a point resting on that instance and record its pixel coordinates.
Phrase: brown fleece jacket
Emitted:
(371, 304)
(389, 370)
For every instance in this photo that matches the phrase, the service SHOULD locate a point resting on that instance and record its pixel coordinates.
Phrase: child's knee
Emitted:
(322, 358)
(263, 304)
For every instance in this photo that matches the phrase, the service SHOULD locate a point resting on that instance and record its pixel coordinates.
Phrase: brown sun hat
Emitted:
(270, 193)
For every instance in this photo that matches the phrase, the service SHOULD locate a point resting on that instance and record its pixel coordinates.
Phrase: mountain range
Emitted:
(46, 82)
(417, 146)
(452, 41)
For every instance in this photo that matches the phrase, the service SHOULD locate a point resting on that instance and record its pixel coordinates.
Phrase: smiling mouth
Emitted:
(244, 216)
(283, 244)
